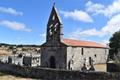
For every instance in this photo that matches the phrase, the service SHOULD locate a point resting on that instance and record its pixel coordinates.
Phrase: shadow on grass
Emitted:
(3, 74)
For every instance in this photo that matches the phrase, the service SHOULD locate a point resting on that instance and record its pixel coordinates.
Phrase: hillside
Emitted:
(7, 49)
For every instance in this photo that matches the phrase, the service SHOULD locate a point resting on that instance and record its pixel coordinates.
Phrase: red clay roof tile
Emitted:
(72, 42)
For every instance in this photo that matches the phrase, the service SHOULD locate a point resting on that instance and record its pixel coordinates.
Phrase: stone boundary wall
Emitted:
(52, 74)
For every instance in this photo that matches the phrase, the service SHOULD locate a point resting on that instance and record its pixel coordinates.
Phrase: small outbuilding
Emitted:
(31, 60)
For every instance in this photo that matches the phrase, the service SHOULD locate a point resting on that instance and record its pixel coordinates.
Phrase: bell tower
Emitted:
(54, 28)
(53, 51)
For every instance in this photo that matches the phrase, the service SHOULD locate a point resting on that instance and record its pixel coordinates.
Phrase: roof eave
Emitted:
(87, 46)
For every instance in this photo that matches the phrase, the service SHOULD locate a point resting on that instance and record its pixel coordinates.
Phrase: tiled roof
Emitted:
(72, 42)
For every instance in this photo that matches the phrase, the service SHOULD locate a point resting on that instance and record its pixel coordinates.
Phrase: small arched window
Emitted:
(82, 53)
(95, 55)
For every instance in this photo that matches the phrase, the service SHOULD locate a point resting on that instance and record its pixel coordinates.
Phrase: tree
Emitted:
(114, 44)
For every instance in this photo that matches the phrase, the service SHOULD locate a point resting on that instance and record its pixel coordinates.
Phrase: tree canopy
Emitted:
(114, 44)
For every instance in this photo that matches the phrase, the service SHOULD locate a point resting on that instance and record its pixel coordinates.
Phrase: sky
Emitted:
(25, 21)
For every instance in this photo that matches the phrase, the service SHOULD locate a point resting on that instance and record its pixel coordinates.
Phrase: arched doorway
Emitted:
(52, 62)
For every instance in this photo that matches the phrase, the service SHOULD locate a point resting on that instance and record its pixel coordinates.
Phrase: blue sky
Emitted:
(24, 21)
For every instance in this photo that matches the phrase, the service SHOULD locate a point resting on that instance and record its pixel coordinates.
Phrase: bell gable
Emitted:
(54, 28)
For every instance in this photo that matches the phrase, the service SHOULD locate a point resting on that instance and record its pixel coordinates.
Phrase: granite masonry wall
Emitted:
(81, 55)
(52, 74)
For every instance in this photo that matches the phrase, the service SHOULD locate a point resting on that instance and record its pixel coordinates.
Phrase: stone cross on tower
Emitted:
(54, 28)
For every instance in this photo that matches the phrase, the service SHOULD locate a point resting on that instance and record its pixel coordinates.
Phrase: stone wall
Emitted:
(52, 74)
(74, 54)
(59, 53)
(101, 67)
(99, 55)
(81, 55)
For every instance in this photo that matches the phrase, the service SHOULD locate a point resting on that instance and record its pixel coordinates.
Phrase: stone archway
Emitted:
(52, 62)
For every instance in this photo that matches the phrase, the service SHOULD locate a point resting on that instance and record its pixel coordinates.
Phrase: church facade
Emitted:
(69, 54)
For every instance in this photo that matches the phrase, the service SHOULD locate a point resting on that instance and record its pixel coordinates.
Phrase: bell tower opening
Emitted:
(52, 62)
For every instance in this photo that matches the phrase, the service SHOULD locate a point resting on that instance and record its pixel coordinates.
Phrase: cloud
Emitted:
(105, 42)
(94, 7)
(43, 37)
(108, 11)
(10, 11)
(77, 15)
(80, 34)
(112, 26)
(14, 25)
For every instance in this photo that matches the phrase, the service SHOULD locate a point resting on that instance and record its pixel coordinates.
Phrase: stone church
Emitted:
(60, 53)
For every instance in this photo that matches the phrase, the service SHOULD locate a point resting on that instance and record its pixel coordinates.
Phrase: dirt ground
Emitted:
(11, 77)
(3, 52)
